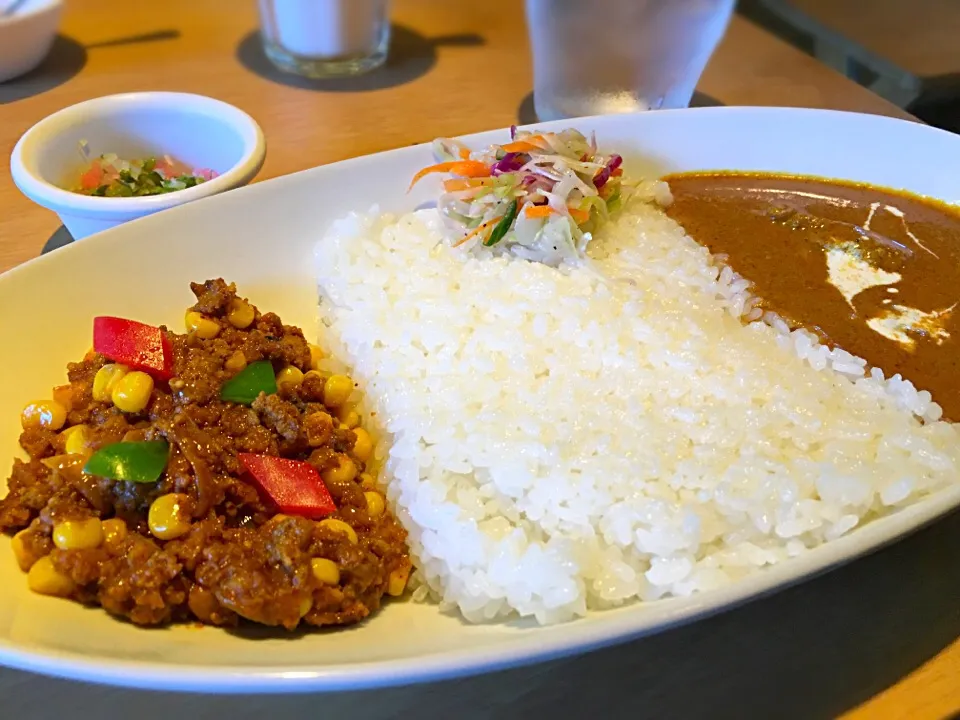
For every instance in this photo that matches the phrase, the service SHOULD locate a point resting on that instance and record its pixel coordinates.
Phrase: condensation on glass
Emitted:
(609, 56)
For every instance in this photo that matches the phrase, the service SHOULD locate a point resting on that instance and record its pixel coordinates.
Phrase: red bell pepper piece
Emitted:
(295, 487)
(141, 347)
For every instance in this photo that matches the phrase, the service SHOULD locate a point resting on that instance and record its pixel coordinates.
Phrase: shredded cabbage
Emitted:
(563, 189)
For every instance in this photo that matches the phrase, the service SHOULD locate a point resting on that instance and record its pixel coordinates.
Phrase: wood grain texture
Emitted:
(873, 638)
(919, 36)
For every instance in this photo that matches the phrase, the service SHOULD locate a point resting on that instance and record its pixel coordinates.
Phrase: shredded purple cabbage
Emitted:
(511, 162)
(603, 176)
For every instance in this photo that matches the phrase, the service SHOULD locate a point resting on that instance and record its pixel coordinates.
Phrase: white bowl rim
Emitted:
(59, 199)
(44, 7)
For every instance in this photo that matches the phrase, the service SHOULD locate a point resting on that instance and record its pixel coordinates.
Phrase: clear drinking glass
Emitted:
(325, 38)
(608, 56)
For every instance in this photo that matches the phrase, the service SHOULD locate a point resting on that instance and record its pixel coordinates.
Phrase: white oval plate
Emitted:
(260, 237)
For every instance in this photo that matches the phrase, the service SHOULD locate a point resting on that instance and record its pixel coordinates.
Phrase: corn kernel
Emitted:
(367, 481)
(289, 377)
(325, 571)
(316, 357)
(75, 440)
(47, 414)
(341, 527)
(363, 445)
(375, 504)
(349, 417)
(397, 581)
(201, 326)
(25, 559)
(240, 313)
(63, 394)
(344, 472)
(167, 517)
(114, 531)
(45, 579)
(236, 362)
(132, 393)
(336, 390)
(305, 606)
(319, 428)
(78, 534)
(106, 380)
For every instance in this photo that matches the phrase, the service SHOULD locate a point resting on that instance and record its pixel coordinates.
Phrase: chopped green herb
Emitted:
(108, 176)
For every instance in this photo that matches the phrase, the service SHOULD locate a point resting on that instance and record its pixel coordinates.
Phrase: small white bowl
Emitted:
(26, 36)
(196, 130)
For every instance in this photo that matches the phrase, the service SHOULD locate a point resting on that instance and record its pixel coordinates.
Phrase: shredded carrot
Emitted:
(542, 211)
(538, 211)
(476, 231)
(520, 146)
(464, 153)
(463, 168)
(439, 167)
(542, 140)
(538, 140)
(466, 183)
(470, 168)
(616, 173)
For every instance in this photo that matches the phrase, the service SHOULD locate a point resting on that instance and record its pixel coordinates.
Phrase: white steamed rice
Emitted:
(555, 442)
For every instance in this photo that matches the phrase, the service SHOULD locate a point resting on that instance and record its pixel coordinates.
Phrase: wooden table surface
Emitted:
(918, 36)
(875, 639)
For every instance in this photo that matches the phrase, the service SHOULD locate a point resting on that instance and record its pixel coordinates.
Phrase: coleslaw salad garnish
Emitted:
(541, 197)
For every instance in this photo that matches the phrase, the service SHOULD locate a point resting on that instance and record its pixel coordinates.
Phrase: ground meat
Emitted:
(131, 499)
(29, 489)
(311, 389)
(240, 560)
(279, 415)
(281, 343)
(213, 296)
(258, 440)
(66, 504)
(343, 440)
(38, 443)
(241, 575)
(141, 582)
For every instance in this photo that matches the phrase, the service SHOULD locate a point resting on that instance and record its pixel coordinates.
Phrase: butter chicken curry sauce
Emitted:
(873, 271)
(214, 475)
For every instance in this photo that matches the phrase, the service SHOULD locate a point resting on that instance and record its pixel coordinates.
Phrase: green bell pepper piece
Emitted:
(139, 462)
(246, 385)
